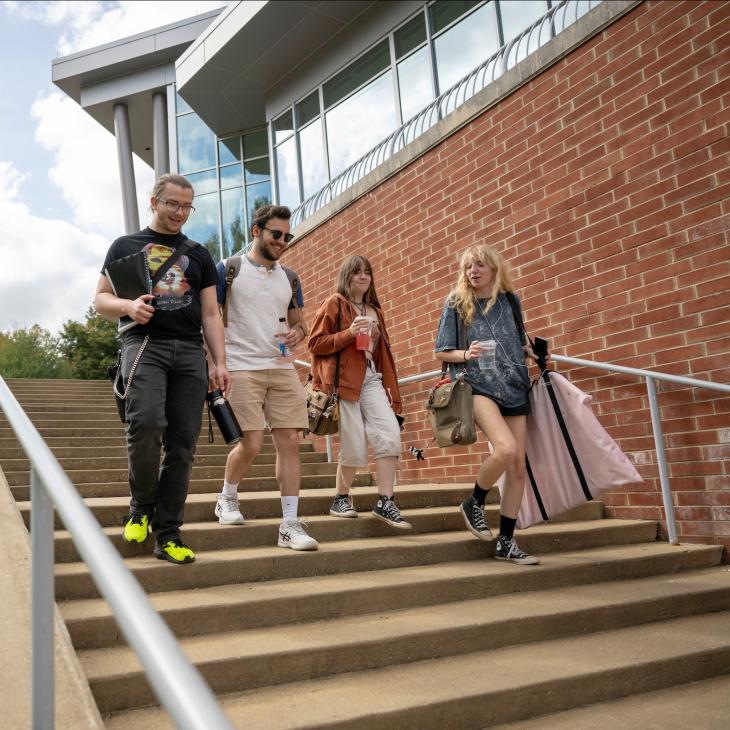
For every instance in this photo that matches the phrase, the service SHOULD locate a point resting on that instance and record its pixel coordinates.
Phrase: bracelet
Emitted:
(465, 353)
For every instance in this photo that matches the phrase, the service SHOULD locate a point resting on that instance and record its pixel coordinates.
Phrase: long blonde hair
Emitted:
(462, 296)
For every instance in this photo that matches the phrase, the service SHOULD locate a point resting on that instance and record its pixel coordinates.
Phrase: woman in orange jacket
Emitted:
(368, 386)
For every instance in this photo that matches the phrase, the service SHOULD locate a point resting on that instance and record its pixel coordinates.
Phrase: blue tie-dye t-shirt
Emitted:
(507, 384)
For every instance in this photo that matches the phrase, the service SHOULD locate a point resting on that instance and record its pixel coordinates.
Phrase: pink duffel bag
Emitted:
(571, 458)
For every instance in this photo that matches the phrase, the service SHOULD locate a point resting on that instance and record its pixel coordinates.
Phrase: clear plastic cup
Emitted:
(487, 354)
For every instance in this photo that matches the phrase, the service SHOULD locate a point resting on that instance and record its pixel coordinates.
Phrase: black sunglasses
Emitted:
(276, 235)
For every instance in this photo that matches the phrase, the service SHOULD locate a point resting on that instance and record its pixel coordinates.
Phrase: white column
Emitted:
(159, 140)
(126, 168)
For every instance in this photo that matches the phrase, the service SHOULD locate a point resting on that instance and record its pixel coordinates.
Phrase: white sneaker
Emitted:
(227, 510)
(292, 535)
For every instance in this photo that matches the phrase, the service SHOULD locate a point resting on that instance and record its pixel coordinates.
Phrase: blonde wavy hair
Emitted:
(462, 296)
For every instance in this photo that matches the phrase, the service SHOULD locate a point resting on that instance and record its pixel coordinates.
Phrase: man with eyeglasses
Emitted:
(260, 302)
(162, 360)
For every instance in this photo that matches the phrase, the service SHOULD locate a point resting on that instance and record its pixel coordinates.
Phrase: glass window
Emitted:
(356, 74)
(414, 81)
(203, 182)
(234, 234)
(314, 175)
(444, 12)
(258, 195)
(307, 109)
(283, 128)
(256, 170)
(286, 174)
(229, 150)
(202, 226)
(360, 122)
(465, 45)
(255, 144)
(410, 36)
(231, 176)
(181, 105)
(195, 144)
(517, 16)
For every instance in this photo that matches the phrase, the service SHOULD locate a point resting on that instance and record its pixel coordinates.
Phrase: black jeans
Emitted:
(164, 408)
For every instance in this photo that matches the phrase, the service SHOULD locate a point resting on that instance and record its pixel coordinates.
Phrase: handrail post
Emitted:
(42, 596)
(656, 423)
(328, 442)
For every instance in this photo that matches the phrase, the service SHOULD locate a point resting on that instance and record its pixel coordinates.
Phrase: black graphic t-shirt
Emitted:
(177, 296)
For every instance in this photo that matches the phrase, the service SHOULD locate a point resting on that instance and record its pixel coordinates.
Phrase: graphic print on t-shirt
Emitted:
(173, 290)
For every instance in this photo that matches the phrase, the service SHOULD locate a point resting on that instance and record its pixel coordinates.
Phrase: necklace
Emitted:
(360, 307)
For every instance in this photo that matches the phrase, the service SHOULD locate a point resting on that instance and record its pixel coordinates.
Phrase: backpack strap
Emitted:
(517, 314)
(294, 283)
(232, 267)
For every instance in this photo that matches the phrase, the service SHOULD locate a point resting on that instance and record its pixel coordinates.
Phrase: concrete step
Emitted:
(469, 639)
(240, 606)
(426, 508)
(116, 447)
(255, 564)
(80, 477)
(263, 531)
(704, 705)
(110, 510)
(119, 461)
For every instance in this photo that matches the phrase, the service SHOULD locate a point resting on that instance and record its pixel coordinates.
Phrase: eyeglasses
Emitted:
(173, 207)
(276, 235)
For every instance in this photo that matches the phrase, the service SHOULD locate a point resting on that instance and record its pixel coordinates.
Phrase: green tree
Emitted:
(32, 352)
(90, 347)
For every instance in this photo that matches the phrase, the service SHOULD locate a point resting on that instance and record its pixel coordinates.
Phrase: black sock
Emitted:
(507, 526)
(479, 494)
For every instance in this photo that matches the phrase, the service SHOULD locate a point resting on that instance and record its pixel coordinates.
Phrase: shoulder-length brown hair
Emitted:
(462, 295)
(349, 267)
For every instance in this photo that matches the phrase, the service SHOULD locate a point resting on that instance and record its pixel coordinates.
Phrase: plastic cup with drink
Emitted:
(487, 354)
(362, 338)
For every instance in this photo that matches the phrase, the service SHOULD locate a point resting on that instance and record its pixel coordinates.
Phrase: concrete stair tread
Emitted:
(496, 615)
(501, 684)
(400, 538)
(244, 497)
(263, 563)
(704, 705)
(586, 565)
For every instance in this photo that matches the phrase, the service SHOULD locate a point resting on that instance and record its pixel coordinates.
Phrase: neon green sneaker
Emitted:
(136, 528)
(174, 551)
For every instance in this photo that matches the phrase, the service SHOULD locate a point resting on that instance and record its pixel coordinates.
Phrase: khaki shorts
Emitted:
(273, 398)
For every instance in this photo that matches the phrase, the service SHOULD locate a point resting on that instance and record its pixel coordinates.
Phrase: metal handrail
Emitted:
(542, 30)
(178, 685)
(649, 376)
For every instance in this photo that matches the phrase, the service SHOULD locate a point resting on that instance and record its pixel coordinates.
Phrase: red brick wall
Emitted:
(605, 181)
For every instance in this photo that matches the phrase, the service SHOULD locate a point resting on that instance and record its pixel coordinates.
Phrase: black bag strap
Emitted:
(183, 248)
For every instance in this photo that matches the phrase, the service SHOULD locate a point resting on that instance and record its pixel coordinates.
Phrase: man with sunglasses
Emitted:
(163, 363)
(265, 390)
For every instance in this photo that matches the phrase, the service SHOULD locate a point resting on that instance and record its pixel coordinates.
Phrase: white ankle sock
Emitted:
(289, 506)
(229, 488)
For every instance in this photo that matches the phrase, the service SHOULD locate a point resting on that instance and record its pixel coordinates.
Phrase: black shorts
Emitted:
(521, 410)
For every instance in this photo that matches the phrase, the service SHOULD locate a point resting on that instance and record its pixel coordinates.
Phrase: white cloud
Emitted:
(85, 168)
(88, 24)
(50, 267)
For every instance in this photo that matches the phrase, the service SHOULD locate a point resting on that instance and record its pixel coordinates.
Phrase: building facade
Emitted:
(592, 152)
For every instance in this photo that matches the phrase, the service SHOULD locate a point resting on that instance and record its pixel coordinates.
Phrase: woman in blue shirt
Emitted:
(476, 312)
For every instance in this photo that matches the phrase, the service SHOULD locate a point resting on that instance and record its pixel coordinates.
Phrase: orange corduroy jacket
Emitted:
(325, 341)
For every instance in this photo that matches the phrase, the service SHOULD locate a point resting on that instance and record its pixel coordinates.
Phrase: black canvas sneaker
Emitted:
(507, 549)
(473, 514)
(386, 510)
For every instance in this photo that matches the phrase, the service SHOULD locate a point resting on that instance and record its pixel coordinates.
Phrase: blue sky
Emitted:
(59, 185)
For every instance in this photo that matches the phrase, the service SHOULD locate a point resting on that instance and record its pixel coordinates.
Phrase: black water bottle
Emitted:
(224, 417)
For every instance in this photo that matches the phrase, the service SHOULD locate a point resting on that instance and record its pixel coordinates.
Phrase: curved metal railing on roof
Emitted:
(542, 30)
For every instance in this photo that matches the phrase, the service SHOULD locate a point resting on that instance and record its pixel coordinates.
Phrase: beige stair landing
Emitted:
(383, 629)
